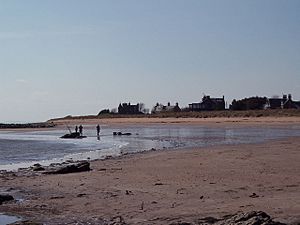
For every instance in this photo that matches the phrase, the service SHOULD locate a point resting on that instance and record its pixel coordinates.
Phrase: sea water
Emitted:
(20, 149)
(5, 219)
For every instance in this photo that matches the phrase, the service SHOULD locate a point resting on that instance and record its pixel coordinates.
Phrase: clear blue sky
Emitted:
(61, 57)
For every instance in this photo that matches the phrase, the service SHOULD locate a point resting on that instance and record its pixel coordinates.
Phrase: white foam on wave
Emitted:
(114, 151)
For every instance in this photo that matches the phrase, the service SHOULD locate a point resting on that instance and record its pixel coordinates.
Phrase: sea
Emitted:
(21, 149)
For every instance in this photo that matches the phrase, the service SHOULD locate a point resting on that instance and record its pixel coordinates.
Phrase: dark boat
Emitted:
(73, 135)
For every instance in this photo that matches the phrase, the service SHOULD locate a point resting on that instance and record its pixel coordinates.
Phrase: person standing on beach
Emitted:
(76, 129)
(98, 130)
(80, 130)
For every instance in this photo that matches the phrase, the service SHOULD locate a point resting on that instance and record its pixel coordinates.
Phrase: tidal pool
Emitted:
(5, 219)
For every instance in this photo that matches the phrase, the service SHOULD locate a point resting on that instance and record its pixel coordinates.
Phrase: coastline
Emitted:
(11, 126)
(157, 133)
(161, 187)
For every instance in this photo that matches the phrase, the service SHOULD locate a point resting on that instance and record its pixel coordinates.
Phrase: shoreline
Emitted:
(187, 183)
(212, 123)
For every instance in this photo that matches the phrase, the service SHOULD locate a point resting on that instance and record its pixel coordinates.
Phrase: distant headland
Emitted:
(26, 125)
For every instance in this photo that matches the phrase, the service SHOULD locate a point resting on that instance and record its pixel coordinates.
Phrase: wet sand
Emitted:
(161, 187)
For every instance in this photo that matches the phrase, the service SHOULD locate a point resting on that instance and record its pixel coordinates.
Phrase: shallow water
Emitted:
(4, 219)
(22, 149)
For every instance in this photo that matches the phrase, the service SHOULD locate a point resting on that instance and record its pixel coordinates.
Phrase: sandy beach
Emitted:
(169, 186)
(165, 112)
(216, 121)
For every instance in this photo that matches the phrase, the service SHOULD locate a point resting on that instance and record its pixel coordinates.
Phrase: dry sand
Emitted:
(220, 121)
(162, 187)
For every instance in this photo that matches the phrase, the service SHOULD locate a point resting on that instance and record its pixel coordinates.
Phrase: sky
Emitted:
(76, 57)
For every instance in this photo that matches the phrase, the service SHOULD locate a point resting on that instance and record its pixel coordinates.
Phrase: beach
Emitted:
(213, 121)
(165, 112)
(169, 186)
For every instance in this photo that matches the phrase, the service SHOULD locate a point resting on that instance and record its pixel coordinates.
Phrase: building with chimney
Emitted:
(286, 102)
(159, 108)
(129, 109)
(208, 104)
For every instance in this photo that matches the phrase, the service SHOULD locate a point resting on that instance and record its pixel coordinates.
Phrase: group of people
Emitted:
(80, 130)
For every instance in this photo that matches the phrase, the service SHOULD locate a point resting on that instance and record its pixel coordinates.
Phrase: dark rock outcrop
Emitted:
(70, 168)
(118, 220)
(74, 135)
(26, 222)
(5, 198)
(26, 125)
(37, 167)
(252, 218)
(249, 218)
(120, 134)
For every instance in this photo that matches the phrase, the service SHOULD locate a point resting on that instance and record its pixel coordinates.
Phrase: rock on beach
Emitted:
(5, 198)
(72, 168)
